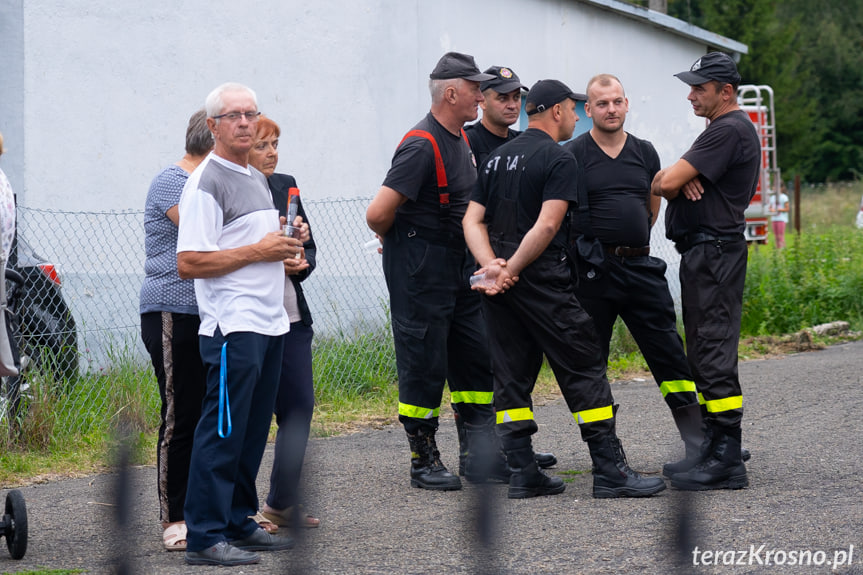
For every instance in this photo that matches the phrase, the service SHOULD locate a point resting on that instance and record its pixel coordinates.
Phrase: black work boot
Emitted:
(696, 437)
(527, 479)
(545, 460)
(485, 461)
(693, 432)
(427, 471)
(463, 447)
(612, 476)
(723, 467)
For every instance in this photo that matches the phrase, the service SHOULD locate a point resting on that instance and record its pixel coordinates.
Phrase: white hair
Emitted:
(213, 104)
(438, 87)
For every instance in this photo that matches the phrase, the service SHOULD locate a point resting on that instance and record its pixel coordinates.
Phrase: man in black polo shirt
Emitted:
(513, 228)
(437, 322)
(618, 168)
(708, 190)
(500, 110)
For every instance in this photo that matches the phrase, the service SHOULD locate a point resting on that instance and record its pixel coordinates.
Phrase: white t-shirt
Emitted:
(226, 206)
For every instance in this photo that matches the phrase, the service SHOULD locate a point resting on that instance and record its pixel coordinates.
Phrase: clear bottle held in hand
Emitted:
(480, 280)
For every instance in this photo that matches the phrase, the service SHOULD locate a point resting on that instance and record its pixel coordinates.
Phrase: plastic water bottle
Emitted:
(372, 246)
(481, 281)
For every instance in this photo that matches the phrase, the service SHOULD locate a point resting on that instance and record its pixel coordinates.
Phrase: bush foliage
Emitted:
(817, 279)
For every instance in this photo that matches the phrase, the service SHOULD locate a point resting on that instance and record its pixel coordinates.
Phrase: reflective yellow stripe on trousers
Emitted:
(676, 386)
(417, 411)
(520, 414)
(724, 404)
(475, 397)
(592, 415)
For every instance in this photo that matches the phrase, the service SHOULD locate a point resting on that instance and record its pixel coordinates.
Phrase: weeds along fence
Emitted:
(100, 257)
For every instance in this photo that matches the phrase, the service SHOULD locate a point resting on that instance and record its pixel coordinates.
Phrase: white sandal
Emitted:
(174, 537)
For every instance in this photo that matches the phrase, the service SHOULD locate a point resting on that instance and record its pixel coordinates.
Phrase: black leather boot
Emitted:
(612, 476)
(723, 467)
(545, 460)
(427, 470)
(695, 439)
(527, 479)
(485, 461)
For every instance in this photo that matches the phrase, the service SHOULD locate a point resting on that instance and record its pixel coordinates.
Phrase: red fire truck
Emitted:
(757, 101)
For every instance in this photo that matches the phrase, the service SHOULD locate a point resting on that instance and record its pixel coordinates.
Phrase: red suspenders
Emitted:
(443, 195)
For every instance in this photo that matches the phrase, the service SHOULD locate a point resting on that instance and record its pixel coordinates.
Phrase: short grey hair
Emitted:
(213, 103)
(438, 87)
(199, 139)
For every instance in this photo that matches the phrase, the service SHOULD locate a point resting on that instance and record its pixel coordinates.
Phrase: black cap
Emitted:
(455, 65)
(545, 94)
(503, 82)
(716, 66)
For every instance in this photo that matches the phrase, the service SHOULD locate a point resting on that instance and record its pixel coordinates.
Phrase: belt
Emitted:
(626, 251)
(688, 241)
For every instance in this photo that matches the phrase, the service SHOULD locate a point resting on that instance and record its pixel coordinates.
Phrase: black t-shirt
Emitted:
(617, 188)
(483, 142)
(727, 156)
(413, 175)
(548, 173)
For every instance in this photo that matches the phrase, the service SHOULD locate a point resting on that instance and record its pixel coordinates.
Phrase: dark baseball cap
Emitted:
(503, 82)
(716, 66)
(456, 65)
(545, 94)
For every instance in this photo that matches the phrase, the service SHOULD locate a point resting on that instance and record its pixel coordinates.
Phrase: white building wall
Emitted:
(101, 101)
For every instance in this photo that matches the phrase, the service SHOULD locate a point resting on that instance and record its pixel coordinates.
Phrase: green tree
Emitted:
(811, 54)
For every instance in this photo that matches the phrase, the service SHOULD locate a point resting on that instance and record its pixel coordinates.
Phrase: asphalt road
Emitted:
(803, 425)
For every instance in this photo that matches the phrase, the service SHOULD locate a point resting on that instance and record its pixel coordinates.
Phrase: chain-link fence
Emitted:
(91, 324)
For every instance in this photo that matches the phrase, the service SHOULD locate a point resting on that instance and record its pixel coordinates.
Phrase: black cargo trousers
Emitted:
(540, 316)
(635, 289)
(438, 328)
(712, 277)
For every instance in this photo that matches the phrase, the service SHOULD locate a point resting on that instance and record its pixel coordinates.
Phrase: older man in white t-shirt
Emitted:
(229, 242)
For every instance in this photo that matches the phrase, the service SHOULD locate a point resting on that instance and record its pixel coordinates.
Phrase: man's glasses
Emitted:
(234, 116)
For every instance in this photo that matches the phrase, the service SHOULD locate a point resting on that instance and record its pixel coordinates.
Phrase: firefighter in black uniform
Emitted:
(500, 110)
(513, 228)
(437, 323)
(617, 170)
(708, 190)
(501, 107)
